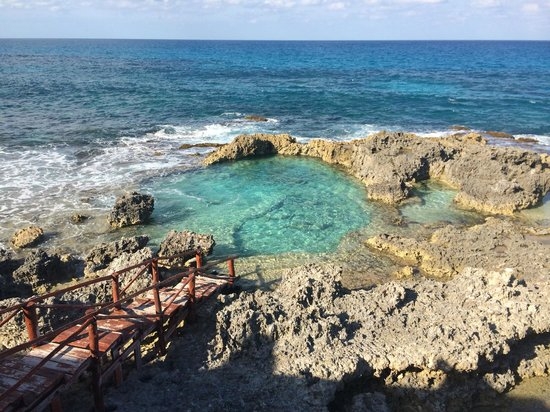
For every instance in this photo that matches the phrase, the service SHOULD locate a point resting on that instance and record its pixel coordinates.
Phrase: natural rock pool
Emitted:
(280, 205)
(266, 206)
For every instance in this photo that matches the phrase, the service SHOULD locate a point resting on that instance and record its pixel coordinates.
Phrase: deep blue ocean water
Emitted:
(83, 120)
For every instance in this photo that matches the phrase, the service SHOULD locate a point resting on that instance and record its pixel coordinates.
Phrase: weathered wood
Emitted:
(115, 334)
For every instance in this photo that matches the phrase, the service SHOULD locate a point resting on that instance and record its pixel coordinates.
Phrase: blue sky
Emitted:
(277, 19)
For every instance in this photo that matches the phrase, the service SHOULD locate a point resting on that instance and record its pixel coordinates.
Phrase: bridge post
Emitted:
(93, 342)
(198, 257)
(116, 289)
(155, 270)
(158, 306)
(31, 320)
(231, 267)
(191, 291)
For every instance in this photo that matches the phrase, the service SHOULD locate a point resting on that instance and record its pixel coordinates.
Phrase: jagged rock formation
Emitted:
(27, 237)
(431, 344)
(41, 270)
(131, 209)
(103, 254)
(494, 245)
(176, 243)
(391, 163)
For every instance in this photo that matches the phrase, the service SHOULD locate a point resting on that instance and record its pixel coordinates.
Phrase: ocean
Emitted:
(82, 121)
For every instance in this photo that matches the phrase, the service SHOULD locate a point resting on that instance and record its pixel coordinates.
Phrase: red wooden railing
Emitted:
(29, 310)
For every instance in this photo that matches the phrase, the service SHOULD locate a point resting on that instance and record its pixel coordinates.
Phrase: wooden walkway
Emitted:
(34, 375)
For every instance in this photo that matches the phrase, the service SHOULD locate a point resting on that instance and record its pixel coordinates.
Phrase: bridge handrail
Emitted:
(35, 340)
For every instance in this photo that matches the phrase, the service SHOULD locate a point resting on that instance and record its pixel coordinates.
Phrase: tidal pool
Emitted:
(263, 206)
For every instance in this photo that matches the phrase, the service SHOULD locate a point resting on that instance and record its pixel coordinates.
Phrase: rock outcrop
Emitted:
(27, 237)
(41, 270)
(103, 254)
(494, 245)
(389, 164)
(430, 344)
(131, 209)
(176, 243)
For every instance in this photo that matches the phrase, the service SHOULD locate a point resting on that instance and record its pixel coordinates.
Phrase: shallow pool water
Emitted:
(433, 203)
(263, 206)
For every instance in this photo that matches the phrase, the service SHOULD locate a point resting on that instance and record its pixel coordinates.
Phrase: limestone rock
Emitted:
(389, 164)
(27, 237)
(256, 118)
(13, 332)
(434, 345)
(245, 146)
(78, 218)
(41, 269)
(176, 243)
(103, 254)
(131, 209)
(122, 261)
(510, 179)
(495, 244)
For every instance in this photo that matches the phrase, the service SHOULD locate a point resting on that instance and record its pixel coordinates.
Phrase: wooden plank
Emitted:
(68, 354)
(206, 291)
(36, 387)
(106, 339)
(67, 369)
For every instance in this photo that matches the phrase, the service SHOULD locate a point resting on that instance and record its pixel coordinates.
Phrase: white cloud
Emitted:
(485, 4)
(339, 5)
(531, 8)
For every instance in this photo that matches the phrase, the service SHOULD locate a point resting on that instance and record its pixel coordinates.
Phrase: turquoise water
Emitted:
(433, 203)
(266, 206)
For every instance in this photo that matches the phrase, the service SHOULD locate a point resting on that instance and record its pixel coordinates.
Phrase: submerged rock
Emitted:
(431, 344)
(389, 164)
(131, 209)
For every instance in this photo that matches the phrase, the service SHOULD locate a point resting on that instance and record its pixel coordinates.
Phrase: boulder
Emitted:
(256, 118)
(131, 209)
(27, 237)
(7, 262)
(245, 146)
(41, 270)
(77, 218)
(103, 254)
(510, 179)
(176, 243)
(122, 261)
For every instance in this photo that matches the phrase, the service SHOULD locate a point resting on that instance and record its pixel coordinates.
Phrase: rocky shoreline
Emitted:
(465, 317)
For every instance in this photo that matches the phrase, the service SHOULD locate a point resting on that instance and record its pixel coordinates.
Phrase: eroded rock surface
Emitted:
(494, 245)
(131, 209)
(176, 243)
(103, 254)
(433, 344)
(489, 179)
(41, 270)
(27, 237)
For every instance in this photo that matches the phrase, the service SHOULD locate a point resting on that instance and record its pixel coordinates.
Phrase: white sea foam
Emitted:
(544, 140)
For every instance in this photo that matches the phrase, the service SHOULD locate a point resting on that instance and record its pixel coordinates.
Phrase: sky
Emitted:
(277, 19)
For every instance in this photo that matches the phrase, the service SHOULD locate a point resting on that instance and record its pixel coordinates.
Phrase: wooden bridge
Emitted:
(101, 337)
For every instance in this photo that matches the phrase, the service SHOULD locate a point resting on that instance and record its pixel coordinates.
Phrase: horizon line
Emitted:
(273, 40)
